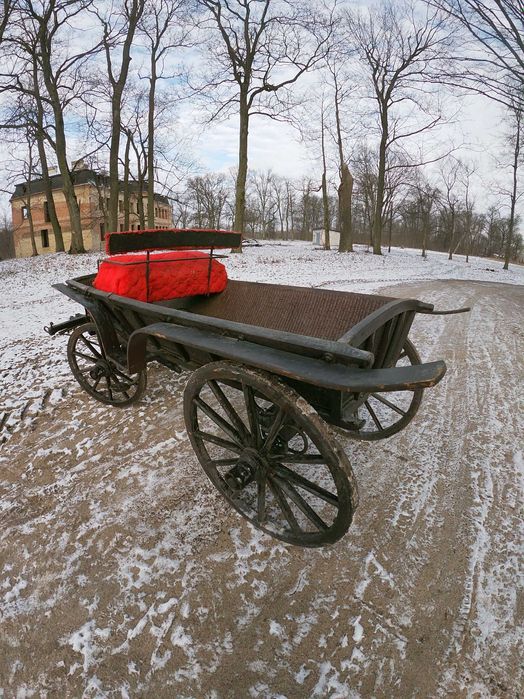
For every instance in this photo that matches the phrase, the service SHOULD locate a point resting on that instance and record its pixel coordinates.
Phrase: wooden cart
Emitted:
(273, 369)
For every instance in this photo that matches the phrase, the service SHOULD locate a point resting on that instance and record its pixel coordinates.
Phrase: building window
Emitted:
(138, 227)
(156, 212)
(120, 206)
(133, 227)
(121, 228)
(45, 238)
(102, 231)
(24, 212)
(47, 218)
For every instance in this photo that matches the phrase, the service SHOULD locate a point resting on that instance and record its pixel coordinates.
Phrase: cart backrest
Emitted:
(171, 239)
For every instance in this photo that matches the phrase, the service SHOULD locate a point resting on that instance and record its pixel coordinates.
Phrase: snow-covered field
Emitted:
(27, 301)
(122, 573)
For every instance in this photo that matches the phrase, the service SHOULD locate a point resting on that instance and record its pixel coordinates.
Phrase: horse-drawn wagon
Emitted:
(274, 368)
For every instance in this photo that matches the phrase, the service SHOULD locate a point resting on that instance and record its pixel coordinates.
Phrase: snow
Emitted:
(163, 577)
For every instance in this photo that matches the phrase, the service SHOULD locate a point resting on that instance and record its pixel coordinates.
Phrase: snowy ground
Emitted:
(122, 573)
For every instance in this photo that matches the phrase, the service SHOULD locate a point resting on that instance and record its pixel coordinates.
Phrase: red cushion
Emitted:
(177, 274)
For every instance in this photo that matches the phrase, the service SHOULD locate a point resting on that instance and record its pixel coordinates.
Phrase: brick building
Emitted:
(92, 192)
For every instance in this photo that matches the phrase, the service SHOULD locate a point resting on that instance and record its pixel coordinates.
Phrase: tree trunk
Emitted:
(450, 252)
(325, 209)
(141, 212)
(77, 241)
(345, 190)
(114, 185)
(57, 230)
(134, 9)
(390, 226)
(55, 224)
(515, 165)
(34, 251)
(381, 181)
(325, 200)
(345, 195)
(240, 186)
(150, 146)
(127, 199)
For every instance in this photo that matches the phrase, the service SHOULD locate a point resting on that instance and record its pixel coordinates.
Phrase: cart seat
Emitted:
(315, 312)
(161, 275)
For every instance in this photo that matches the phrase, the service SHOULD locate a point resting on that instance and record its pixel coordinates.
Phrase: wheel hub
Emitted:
(100, 369)
(245, 470)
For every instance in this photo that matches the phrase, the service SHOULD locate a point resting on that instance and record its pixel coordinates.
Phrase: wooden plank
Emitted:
(170, 239)
(312, 371)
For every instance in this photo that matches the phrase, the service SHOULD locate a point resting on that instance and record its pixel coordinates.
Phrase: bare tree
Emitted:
(401, 49)
(165, 27)
(118, 30)
(517, 133)
(466, 173)
(263, 47)
(206, 197)
(364, 168)
(5, 13)
(426, 197)
(325, 198)
(27, 111)
(42, 36)
(342, 88)
(493, 63)
(449, 174)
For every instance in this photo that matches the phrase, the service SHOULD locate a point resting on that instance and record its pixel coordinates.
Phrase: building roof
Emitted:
(83, 176)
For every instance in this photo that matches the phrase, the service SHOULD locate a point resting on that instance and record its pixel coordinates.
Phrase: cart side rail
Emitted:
(309, 346)
(313, 371)
(360, 332)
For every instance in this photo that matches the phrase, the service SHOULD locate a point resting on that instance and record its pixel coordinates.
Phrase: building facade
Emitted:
(92, 192)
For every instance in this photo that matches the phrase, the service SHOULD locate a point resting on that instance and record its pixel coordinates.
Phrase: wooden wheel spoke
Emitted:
(402, 356)
(218, 420)
(109, 390)
(225, 462)
(252, 413)
(283, 504)
(121, 374)
(91, 346)
(228, 408)
(87, 357)
(373, 415)
(96, 383)
(302, 504)
(387, 402)
(231, 446)
(261, 496)
(275, 429)
(313, 488)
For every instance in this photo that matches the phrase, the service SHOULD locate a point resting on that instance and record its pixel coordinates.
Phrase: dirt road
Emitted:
(122, 573)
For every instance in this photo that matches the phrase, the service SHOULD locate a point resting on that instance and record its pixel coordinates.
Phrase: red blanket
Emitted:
(171, 275)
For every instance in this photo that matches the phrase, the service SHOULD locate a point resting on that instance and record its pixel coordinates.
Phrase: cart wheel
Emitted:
(387, 413)
(270, 454)
(96, 373)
